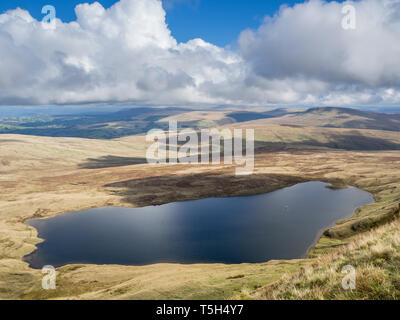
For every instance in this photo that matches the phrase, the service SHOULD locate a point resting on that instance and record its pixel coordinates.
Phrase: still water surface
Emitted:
(277, 225)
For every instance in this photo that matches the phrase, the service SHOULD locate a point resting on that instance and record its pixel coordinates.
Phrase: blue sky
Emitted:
(216, 21)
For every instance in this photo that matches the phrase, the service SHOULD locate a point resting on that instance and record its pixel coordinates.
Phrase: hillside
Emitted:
(109, 125)
(376, 257)
(72, 174)
(137, 121)
(340, 118)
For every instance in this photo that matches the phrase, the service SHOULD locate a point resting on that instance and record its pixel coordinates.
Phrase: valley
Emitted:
(44, 176)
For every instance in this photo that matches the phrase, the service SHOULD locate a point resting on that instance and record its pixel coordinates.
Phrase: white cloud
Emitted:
(123, 53)
(127, 53)
(306, 48)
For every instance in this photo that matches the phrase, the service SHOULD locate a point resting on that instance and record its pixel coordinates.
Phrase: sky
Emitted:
(191, 52)
(217, 21)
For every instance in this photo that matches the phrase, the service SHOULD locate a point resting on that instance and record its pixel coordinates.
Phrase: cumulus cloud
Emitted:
(301, 55)
(305, 48)
(119, 54)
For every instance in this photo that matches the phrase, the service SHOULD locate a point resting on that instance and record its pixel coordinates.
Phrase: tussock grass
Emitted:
(374, 255)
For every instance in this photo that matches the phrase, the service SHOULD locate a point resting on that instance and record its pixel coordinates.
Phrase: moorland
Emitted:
(51, 165)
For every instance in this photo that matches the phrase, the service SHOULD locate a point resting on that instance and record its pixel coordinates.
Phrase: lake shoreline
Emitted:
(302, 256)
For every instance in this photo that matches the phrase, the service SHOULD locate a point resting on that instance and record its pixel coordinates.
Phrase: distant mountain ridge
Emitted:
(334, 117)
(140, 120)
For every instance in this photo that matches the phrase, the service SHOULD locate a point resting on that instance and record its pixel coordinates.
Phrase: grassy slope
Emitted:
(339, 118)
(374, 255)
(58, 183)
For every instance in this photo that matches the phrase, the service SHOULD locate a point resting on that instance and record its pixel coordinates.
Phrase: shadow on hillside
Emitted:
(350, 142)
(172, 188)
(110, 162)
(9, 140)
(356, 141)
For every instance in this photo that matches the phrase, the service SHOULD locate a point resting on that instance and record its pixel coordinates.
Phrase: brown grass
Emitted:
(375, 257)
(43, 177)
